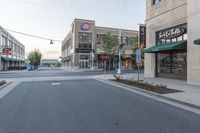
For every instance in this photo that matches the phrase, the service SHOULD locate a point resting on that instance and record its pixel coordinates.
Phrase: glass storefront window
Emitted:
(156, 1)
(180, 38)
(84, 57)
(185, 37)
(172, 63)
(85, 45)
(168, 40)
(85, 37)
(179, 63)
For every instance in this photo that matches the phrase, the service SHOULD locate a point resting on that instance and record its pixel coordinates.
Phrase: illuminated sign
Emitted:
(85, 26)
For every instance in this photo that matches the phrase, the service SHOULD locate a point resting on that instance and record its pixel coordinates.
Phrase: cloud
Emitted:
(34, 3)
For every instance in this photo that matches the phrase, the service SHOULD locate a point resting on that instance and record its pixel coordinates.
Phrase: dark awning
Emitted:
(181, 45)
(197, 41)
(6, 58)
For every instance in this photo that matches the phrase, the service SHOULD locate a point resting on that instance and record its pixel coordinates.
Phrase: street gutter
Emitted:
(156, 96)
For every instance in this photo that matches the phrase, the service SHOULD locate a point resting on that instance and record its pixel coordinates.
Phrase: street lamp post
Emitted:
(119, 53)
(92, 60)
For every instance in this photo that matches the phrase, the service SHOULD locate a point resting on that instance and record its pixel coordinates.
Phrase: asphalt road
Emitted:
(53, 73)
(88, 106)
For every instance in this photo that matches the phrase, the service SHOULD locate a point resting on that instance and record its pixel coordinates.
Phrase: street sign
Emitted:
(138, 56)
(6, 51)
(104, 57)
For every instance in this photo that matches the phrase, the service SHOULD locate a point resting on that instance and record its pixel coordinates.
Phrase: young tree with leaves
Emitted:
(109, 44)
(35, 58)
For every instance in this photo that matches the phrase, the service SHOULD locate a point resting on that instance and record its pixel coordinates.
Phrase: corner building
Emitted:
(85, 37)
(14, 60)
(172, 39)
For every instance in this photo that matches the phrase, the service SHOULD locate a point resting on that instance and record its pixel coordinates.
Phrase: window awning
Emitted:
(197, 41)
(6, 58)
(181, 45)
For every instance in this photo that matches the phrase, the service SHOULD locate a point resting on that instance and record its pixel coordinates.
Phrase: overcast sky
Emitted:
(53, 18)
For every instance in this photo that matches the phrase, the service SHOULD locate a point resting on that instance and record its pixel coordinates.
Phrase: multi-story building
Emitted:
(12, 52)
(49, 62)
(172, 38)
(85, 38)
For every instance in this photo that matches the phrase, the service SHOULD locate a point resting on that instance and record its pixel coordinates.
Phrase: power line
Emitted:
(35, 36)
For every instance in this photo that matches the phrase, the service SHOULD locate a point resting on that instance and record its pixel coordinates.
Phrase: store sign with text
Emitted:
(172, 32)
(7, 51)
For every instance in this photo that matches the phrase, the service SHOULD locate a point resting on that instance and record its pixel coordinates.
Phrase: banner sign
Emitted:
(138, 56)
(142, 36)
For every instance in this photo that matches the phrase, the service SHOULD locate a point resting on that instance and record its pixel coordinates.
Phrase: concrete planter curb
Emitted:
(160, 96)
(6, 84)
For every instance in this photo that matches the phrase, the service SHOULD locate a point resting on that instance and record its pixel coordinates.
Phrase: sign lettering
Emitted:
(172, 33)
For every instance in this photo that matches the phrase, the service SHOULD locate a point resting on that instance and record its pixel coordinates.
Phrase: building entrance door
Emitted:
(84, 64)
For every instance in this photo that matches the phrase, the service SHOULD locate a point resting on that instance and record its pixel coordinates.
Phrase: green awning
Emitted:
(181, 45)
(197, 41)
(6, 58)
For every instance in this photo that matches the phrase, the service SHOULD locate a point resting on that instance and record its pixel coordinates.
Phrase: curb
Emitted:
(150, 93)
(6, 84)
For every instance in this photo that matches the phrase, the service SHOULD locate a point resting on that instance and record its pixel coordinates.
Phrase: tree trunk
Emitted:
(109, 62)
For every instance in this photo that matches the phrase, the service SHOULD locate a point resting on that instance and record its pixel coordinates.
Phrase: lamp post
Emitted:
(92, 60)
(119, 53)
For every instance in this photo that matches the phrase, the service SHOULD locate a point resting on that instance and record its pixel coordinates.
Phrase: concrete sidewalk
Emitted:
(190, 94)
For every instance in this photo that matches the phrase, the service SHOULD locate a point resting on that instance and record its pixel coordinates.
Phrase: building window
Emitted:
(4, 41)
(84, 57)
(85, 37)
(129, 40)
(156, 1)
(10, 43)
(85, 45)
(100, 38)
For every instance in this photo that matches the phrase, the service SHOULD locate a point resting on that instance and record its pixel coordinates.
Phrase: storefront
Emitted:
(171, 52)
(173, 40)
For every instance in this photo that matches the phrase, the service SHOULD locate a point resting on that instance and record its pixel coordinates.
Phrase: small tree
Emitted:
(109, 43)
(135, 45)
(35, 58)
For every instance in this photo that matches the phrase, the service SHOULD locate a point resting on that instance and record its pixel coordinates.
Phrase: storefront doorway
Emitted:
(84, 64)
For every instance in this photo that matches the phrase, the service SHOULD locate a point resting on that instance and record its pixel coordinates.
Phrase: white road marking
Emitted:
(55, 84)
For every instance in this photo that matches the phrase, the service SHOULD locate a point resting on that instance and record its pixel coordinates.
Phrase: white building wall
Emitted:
(193, 34)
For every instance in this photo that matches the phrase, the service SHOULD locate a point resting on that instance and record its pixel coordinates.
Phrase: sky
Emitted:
(53, 18)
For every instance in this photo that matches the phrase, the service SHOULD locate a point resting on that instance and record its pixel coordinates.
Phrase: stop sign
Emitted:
(104, 57)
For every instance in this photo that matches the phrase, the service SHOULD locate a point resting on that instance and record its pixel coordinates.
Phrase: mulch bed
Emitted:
(160, 89)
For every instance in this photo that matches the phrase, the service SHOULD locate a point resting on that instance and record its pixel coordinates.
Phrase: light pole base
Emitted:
(119, 72)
